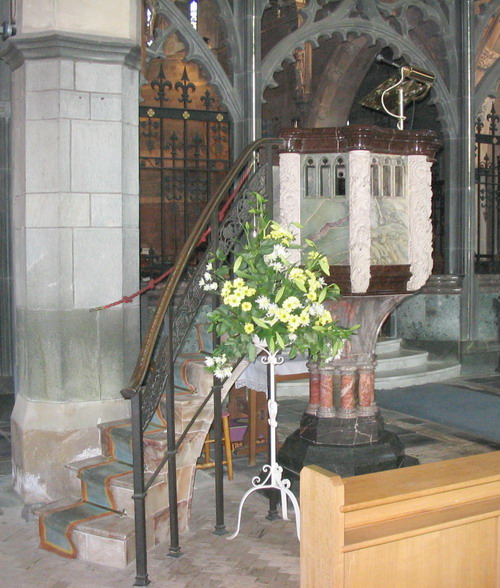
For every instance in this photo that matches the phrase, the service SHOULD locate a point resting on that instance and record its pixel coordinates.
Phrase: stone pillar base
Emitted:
(48, 435)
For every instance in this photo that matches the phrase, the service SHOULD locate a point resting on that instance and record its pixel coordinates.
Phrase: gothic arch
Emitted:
(378, 33)
(337, 88)
(198, 51)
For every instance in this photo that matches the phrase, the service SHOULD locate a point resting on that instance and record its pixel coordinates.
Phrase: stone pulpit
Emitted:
(363, 195)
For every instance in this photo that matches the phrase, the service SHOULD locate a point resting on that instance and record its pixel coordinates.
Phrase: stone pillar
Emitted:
(76, 245)
(6, 322)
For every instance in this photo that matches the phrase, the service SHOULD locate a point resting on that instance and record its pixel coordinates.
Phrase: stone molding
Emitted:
(443, 284)
(359, 220)
(77, 47)
(420, 223)
(289, 200)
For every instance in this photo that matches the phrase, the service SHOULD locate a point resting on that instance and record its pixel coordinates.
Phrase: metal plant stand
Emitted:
(273, 479)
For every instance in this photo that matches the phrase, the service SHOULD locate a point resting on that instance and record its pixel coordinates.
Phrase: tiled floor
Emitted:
(264, 554)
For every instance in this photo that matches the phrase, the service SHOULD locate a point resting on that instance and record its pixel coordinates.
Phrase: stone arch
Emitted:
(333, 98)
(377, 34)
(198, 51)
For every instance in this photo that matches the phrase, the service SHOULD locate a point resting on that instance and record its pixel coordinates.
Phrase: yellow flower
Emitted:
(280, 234)
(291, 303)
(325, 318)
(312, 296)
(232, 300)
(246, 306)
(304, 318)
(226, 289)
(249, 328)
(296, 273)
(250, 291)
(294, 323)
(283, 315)
(239, 283)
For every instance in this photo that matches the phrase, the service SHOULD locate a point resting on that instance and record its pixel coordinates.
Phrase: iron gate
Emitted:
(487, 194)
(184, 155)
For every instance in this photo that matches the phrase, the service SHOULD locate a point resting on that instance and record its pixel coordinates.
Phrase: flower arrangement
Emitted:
(270, 302)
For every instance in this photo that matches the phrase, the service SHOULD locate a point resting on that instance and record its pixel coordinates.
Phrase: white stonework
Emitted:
(359, 220)
(420, 225)
(290, 195)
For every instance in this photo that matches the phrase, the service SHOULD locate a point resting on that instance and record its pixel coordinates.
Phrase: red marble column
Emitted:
(326, 403)
(347, 392)
(366, 388)
(314, 388)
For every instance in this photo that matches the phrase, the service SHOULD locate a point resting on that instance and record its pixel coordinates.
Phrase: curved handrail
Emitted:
(154, 328)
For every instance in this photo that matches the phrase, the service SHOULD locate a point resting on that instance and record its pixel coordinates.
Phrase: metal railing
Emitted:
(152, 382)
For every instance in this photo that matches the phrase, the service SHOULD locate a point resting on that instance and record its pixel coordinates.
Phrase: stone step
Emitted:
(397, 367)
(399, 360)
(110, 541)
(122, 488)
(387, 345)
(432, 371)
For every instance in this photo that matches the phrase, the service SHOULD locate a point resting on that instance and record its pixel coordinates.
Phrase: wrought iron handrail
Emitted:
(154, 328)
(146, 387)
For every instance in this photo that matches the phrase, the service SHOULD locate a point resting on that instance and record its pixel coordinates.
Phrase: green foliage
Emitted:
(269, 301)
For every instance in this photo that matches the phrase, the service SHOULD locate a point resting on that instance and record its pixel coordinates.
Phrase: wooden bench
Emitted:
(435, 526)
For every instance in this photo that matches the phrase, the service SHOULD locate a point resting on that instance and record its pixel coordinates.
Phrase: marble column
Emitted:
(347, 407)
(314, 388)
(76, 238)
(326, 392)
(366, 386)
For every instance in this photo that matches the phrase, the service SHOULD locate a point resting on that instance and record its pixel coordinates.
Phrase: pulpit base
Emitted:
(345, 460)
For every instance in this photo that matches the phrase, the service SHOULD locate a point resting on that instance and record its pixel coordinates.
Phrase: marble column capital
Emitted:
(52, 45)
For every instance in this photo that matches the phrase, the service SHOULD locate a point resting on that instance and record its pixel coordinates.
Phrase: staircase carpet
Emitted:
(56, 527)
(118, 438)
(97, 479)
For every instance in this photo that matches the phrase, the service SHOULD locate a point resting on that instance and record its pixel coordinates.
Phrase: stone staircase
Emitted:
(103, 531)
(397, 367)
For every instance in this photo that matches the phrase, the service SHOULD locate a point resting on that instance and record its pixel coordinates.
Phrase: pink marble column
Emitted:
(326, 403)
(347, 392)
(314, 388)
(366, 388)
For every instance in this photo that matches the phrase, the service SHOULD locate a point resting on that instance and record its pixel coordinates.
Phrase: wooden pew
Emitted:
(430, 526)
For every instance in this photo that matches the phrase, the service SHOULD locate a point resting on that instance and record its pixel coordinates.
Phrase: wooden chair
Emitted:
(207, 461)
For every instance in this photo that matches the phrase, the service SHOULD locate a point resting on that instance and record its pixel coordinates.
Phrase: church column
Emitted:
(248, 79)
(75, 224)
(470, 298)
(6, 327)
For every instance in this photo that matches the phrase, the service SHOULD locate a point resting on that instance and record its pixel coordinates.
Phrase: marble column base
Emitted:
(355, 430)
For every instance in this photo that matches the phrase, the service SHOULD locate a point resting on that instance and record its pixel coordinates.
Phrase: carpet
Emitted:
(471, 411)
(56, 527)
